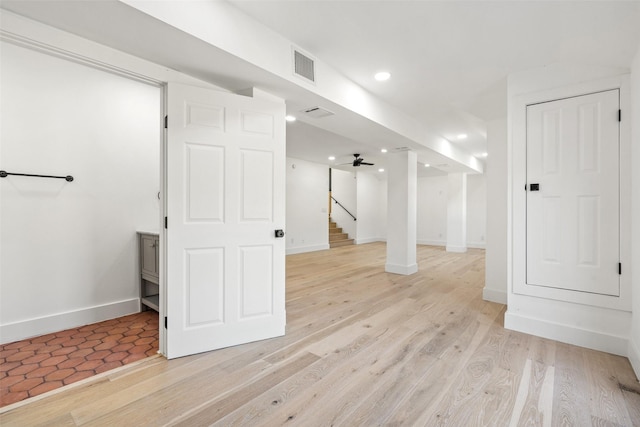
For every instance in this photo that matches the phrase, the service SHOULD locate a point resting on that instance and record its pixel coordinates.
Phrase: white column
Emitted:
(457, 213)
(495, 279)
(401, 213)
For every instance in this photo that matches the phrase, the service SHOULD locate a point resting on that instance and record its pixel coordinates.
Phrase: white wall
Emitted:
(344, 190)
(69, 250)
(476, 210)
(370, 224)
(634, 341)
(432, 210)
(307, 194)
(382, 211)
(495, 283)
(600, 328)
(307, 206)
(457, 212)
(306, 191)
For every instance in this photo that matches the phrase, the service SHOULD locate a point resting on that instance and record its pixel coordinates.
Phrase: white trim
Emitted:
(567, 334)
(305, 249)
(470, 245)
(25, 32)
(405, 270)
(48, 49)
(476, 245)
(517, 178)
(494, 296)
(58, 322)
(633, 353)
(432, 242)
(369, 240)
(457, 249)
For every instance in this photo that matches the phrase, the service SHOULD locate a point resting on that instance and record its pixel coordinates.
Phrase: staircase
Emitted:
(337, 237)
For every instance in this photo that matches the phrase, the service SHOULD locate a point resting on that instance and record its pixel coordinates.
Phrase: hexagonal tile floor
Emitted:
(37, 365)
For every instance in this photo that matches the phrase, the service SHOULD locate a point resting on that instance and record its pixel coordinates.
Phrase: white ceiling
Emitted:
(311, 143)
(449, 59)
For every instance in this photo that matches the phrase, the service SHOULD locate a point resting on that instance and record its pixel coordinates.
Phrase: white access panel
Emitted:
(573, 218)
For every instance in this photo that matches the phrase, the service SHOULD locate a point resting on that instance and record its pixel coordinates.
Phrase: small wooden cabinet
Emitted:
(149, 271)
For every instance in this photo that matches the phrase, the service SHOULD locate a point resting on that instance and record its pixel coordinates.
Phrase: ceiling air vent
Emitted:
(303, 66)
(317, 112)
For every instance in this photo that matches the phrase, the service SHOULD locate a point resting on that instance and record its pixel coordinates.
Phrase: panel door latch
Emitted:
(534, 187)
(279, 233)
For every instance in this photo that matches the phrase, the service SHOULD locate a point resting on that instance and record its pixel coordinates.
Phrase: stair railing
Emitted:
(345, 209)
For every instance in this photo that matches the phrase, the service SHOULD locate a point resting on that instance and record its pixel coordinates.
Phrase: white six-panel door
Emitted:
(225, 198)
(572, 220)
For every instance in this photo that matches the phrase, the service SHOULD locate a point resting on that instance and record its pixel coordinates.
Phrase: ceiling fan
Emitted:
(360, 161)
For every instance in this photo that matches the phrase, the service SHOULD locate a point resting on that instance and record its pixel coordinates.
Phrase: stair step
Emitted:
(338, 236)
(345, 242)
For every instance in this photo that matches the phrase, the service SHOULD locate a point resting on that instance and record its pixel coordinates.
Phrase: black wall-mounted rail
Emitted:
(4, 174)
(345, 209)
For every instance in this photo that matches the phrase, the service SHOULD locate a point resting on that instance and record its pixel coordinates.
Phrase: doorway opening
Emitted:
(69, 247)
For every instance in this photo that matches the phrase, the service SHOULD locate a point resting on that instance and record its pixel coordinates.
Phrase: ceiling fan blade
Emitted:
(368, 164)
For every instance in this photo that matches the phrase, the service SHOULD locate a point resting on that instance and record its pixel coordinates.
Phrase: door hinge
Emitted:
(620, 268)
(619, 115)
(165, 322)
(166, 122)
(165, 222)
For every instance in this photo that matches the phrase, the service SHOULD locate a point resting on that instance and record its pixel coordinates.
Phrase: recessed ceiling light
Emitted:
(382, 76)
(426, 165)
(290, 118)
(380, 170)
(332, 157)
(384, 150)
(484, 154)
(462, 136)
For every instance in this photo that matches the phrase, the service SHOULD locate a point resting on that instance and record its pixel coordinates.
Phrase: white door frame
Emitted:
(57, 43)
(517, 229)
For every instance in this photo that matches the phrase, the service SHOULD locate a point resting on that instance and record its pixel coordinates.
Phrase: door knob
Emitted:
(279, 233)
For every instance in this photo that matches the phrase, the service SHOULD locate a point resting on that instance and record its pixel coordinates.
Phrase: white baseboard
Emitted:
(476, 245)
(369, 240)
(494, 296)
(432, 242)
(58, 322)
(633, 354)
(406, 270)
(304, 249)
(567, 334)
(472, 245)
(457, 249)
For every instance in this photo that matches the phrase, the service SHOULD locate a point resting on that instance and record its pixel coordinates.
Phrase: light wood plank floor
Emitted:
(365, 348)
